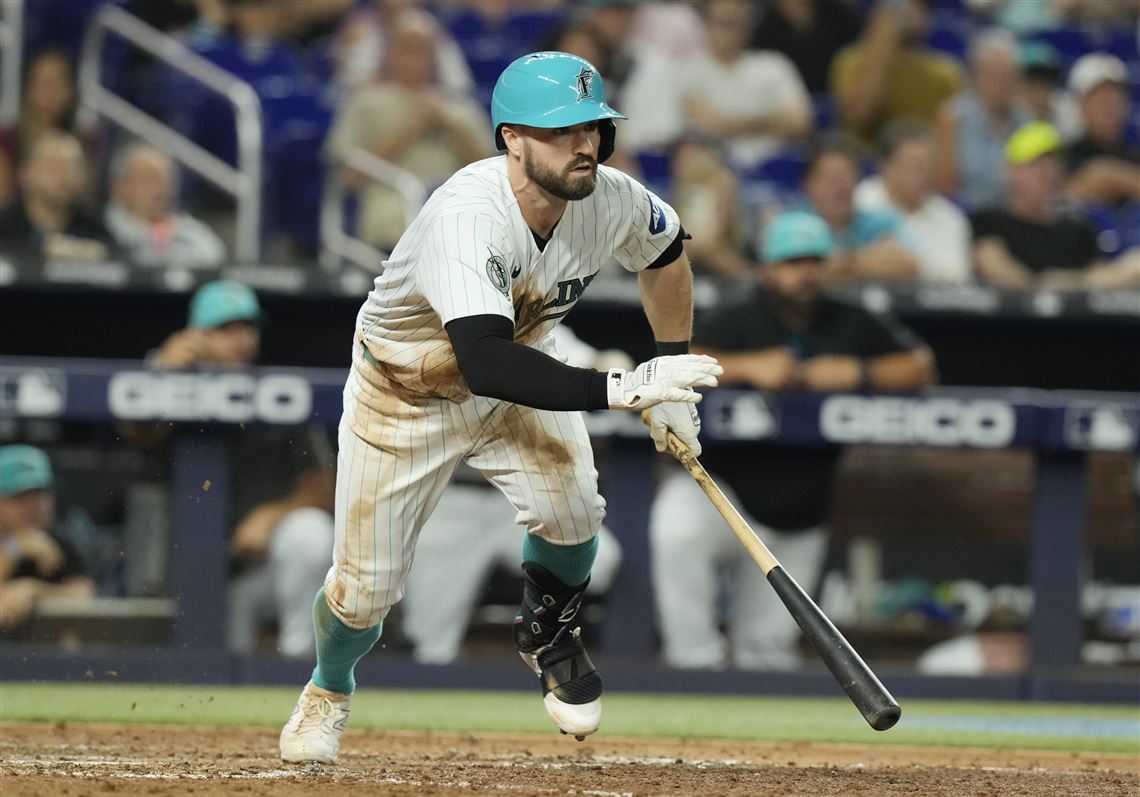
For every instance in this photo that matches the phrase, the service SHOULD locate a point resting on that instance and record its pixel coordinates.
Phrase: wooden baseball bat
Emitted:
(861, 685)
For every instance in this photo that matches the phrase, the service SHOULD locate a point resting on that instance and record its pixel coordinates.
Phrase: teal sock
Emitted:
(570, 564)
(338, 648)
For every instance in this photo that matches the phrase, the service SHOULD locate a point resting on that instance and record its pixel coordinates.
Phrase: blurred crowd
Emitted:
(951, 141)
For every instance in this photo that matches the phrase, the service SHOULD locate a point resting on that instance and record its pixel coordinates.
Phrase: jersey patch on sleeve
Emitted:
(656, 216)
(498, 274)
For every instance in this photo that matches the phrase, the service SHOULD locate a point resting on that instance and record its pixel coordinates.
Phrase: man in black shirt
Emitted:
(1030, 242)
(47, 222)
(34, 562)
(1101, 166)
(809, 33)
(787, 336)
(282, 483)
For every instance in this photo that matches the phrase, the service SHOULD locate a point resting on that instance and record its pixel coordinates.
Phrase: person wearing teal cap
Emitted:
(788, 335)
(223, 328)
(34, 563)
(282, 487)
(454, 362)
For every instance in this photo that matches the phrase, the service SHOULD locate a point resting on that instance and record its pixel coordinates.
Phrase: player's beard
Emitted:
(563, 185)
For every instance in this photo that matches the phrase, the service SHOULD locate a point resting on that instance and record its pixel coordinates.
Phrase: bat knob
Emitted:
(886, 718)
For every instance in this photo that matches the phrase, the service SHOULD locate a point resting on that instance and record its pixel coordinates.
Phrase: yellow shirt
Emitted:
(917, 83)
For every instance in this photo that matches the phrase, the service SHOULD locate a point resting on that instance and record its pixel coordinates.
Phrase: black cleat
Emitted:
(571, 686)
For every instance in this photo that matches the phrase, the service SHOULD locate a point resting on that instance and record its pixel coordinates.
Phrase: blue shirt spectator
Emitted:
(974, 126)
(869, 244)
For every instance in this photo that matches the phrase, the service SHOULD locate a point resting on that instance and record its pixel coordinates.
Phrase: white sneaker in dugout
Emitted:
(313, 731)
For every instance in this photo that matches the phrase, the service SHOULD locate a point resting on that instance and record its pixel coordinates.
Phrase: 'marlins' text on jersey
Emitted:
(469, 252)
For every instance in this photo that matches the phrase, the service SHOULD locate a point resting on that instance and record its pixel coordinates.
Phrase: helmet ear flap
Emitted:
(609, 137)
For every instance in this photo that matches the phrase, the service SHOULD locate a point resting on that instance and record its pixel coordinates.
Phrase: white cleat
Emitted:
(313, 731)
(572, 690)
(577, 720)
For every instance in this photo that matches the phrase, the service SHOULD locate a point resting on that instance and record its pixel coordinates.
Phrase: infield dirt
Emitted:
(89, 759)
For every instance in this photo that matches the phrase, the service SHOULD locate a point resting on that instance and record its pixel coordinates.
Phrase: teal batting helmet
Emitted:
(549, 90)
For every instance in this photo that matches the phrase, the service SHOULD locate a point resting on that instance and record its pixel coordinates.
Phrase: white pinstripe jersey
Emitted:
(469, 252)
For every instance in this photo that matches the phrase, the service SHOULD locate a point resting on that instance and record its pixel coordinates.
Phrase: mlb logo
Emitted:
(1102, 427)
(33, 392)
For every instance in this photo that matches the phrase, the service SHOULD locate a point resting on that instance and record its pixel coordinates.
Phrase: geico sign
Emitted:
(936, 421)
(141, 395)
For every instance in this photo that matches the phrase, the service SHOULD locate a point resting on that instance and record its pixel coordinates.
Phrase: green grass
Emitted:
(1005, 725)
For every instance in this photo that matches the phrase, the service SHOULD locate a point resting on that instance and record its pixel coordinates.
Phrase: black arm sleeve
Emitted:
(672, 252)
(497, 367)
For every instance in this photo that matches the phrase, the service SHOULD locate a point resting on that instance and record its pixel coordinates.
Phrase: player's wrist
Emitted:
(615, 388)
(671, 348)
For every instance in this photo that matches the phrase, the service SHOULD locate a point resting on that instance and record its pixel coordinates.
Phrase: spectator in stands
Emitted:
(904, 185)
(439, 597)
(142, 219)
(810, 33)
(311, 21)
(47, 106)
(868, 245)
(705, 192)
(1021, 16)
(406, 120)
(754, 101)
(890, 73)
(974, 126)
(360, 48)
(1102, 167)
(1042, 93)
(669, 28)
(640, 78)
(1029, 242)
(282, 489)
(48, 222)
(786, 336)
(35, 563)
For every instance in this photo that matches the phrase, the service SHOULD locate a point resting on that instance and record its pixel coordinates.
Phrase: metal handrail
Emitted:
(11, 59)
(243, 182)
(338, 244)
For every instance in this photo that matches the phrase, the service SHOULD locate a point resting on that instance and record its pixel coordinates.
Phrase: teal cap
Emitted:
(552, 89)
(23, 468)
(222, 301)
(797, 234)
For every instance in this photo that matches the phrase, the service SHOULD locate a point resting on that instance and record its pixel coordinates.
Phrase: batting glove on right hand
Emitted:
(669, 378)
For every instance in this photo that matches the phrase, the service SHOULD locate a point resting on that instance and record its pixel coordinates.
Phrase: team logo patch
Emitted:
(585, 84)
(498, 274)
(656, 216)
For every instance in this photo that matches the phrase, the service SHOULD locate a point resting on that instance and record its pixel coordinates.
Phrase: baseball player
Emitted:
(449, 363)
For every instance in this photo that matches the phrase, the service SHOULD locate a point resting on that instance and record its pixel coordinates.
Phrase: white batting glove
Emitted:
(661, 379)
(681, 418)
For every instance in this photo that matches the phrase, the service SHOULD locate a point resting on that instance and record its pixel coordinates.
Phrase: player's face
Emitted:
(563, 161)
(235, 343)
(31, 509)
(798, 282)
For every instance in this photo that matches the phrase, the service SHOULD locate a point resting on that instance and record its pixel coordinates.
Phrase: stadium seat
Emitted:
(784, 171)
(654, 167)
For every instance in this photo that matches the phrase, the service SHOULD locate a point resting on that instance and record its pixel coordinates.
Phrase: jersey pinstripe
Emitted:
(409, 418)
(469, 252)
